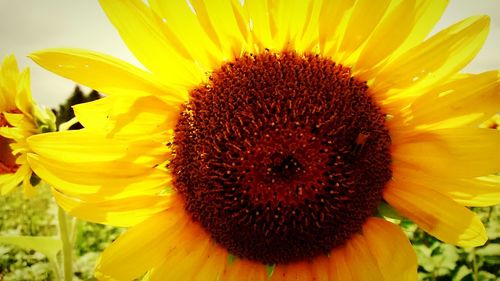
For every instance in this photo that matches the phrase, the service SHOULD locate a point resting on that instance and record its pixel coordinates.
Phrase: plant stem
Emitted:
(66, 244)
(474, 265)
(56, 269)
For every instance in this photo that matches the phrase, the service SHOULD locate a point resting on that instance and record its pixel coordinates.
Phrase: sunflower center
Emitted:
(7, 160)
(281, 157)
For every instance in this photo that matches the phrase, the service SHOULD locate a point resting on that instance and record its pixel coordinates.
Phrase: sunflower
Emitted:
(263, 135)
(19, 119)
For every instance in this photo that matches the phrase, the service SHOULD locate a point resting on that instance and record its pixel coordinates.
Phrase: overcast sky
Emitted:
(30, 25)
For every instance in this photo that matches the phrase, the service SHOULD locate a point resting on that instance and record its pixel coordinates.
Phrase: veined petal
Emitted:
(478, 192)
(94, 180)
(123, 212)
(24, 100)
(435, 59)
(361, 24)
(436, 214)
(471, 152)
(332, 14)
(361, 262)
(385, 38)
(339, 266)
(188, 255)
(214, 264)
(465, 95)
(290, 34)
(19, 120)
(138, 29)
(244, 270)
(74, 147)
(320, 267)
(391, 249)
(262, 29)
(9, 181)
(220, 21)
(137, 250)
(428, 12)
(297, 271)
(9, 73)
(181, 26)
(128, 117)
(101, 72)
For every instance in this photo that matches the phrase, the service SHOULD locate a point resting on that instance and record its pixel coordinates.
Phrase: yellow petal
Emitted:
(24, 100)
(122, 212)
(191, 254)
(297, 271)
(361, 24)
(95, 181)
(361, 262)
(9, 181)
(479, 192)
(289, 34)
(262, 30)
(330, 18)
(126, 117)
(451, 153)
(320, 267)
(220, 21)
(82, 146)
(245, 270)
(100, 72)
(138, 29)
(8, 83)
(339, 266)
(392, 250)
(465, 95)
(214, 264)
(181, 26)
(141, 248)
(385, 38)
(435, 59)
(428, 13)
(436, 214)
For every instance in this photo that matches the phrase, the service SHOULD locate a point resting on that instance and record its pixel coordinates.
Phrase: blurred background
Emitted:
(31, 25)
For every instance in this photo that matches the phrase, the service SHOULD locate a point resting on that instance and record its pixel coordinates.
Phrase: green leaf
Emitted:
(49, 246)
(486, 276)
(230, 259)
(461, 273)
(270, 269)
(388, 211)
(445, 259)
(492, 249)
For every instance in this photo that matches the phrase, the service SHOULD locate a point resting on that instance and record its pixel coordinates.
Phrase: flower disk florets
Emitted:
(280, 156)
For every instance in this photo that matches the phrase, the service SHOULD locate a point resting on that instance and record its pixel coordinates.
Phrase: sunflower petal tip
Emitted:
(475, 237)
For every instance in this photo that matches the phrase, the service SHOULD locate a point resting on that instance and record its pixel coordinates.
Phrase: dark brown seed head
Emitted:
(281, 157)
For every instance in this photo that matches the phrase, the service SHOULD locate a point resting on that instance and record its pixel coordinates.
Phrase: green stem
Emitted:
(475, 268)
(56, 269)
(66, 245)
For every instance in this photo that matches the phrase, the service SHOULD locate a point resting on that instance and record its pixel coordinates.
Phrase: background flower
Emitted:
(19, 119)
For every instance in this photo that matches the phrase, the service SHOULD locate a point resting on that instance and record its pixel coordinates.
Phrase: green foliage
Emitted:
(38, 217)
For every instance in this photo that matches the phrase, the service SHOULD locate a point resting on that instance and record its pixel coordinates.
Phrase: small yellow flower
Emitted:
(268, 132)
(19, 119)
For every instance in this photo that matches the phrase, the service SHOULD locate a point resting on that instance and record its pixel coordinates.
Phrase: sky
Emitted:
(31, 25)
